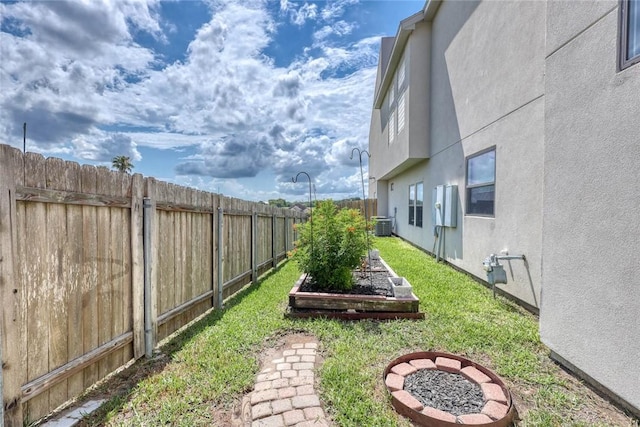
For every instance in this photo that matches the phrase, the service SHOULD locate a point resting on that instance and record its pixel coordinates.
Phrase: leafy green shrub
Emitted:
(331, 245)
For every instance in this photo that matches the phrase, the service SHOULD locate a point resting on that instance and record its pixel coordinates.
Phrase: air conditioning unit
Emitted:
(383, 226)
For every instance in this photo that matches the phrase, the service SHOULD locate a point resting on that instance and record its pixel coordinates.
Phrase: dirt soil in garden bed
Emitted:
(372, 281)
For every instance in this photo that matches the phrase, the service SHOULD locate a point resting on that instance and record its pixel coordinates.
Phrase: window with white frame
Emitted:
(419, 203)
(401, 112)
(392, 112)
(402, 73)
(480, 185)
(392, 127)
(629, 45)
(396, 102)
(412, 203)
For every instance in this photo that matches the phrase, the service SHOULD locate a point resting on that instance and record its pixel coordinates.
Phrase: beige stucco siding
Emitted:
(537, 80)
(487, 90)
(591, 244)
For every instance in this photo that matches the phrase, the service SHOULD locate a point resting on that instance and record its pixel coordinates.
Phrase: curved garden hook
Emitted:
(295, 180)
(366, 217)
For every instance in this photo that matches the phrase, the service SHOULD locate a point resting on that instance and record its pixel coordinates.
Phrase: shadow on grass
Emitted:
(119, 387)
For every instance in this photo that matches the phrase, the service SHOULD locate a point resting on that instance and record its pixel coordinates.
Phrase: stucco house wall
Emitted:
(539, 81)
(590, 314)
(481, 89)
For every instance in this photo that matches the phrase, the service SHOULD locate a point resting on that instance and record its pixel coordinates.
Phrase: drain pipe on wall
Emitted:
(395, 211)
(440, 232)
(495, 270)
(440, 239)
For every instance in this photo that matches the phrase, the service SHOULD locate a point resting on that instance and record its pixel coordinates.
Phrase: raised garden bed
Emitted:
(384, 295)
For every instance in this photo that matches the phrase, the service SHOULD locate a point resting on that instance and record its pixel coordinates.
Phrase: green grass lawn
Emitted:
(206, 370)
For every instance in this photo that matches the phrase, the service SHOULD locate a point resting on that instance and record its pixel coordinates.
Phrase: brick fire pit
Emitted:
(497, 409)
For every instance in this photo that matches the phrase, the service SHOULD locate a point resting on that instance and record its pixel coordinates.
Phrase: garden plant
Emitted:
(331, 245)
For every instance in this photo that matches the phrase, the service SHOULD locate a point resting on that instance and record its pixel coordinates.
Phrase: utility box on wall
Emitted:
(450, 205)
(437, 206)
(445, 205)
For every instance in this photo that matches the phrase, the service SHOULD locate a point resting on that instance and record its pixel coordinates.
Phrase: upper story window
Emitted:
(481, 180)
(392, 110)
(395, 102)
(392, 127)
(402, 73)
(629, 52)
(401, 109)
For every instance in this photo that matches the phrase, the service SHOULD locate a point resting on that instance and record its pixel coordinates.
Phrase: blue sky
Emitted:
(227, 96)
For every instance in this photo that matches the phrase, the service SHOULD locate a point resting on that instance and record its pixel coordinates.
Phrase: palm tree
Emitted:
(122, 163)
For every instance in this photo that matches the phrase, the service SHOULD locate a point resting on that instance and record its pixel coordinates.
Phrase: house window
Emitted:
(401, 74)
(392, 126)
(419, 203)
(629, 52)
(391, 100)
(401, 112)
(412, 203)
(481, 177)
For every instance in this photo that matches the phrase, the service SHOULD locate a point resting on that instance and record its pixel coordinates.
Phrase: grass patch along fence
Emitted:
(202, 373)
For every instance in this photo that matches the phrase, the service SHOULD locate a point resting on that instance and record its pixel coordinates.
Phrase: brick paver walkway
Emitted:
(284, 394)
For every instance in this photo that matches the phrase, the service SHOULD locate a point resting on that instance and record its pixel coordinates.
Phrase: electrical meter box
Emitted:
(450, 206)
(445, 206)
(437, 207)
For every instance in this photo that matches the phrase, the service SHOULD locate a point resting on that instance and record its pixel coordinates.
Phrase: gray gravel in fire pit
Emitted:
(446, 391)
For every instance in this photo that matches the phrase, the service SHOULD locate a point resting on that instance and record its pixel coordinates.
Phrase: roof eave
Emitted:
(405, 29)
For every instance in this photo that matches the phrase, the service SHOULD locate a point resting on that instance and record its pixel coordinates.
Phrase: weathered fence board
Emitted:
(371, 206)
(56, 239)
(31, 234)
(136, 306)
(74, 259)
(90, 270)
(73, 279)
(10, 327)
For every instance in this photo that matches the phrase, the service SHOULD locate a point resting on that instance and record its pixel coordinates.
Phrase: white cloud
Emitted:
(65, 56)
(304, 13)
(103, 147)
(336, 9)
(340, 28)
(241, 113)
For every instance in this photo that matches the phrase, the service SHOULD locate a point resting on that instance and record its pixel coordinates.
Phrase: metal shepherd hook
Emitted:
(366, 217)
(294, 180)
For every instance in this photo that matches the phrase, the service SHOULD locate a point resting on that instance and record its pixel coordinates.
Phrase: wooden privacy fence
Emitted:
(96, 267)
(371, 206)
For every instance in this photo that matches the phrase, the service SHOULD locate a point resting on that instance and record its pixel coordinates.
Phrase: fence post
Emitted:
(286, 235)
(1, 387)
(254, 244)
(274, 237)
(138, 267)
(148, 262)
(10, 387)
(214, 243)
(150, 245)
(220, 256)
